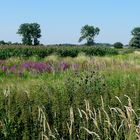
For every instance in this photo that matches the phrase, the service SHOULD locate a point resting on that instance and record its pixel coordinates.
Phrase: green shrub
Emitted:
(118, 45)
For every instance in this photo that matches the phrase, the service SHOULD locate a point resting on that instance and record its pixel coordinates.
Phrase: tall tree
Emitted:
(30, 33)
(35, 32)
(135, 41)
(25, 32)
(2, 42)
(89, 33)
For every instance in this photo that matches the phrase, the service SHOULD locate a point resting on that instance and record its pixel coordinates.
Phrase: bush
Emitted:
(118, 45)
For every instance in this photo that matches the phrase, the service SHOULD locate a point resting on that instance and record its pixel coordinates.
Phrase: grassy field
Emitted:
(65, 98)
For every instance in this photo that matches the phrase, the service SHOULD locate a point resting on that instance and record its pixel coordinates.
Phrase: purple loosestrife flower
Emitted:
(64, 66)
(37, 66)
(27, 65)
(48, 67)
(43, 67)
(4, 68)
(13, 69)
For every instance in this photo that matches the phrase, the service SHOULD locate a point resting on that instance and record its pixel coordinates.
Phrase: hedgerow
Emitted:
(72, 51)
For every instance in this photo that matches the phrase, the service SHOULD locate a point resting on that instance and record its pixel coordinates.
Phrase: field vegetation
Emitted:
(70, 98)
(43, 51)
(89, 90)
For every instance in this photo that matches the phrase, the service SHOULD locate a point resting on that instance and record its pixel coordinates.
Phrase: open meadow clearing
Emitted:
(69, 70)
(83, 97)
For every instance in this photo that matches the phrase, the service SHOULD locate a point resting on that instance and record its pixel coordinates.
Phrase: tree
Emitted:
(118, 45)
(89, 33)
(2, 42)
(135, 41)
(30, 33)
(25, 31)
(36, 33)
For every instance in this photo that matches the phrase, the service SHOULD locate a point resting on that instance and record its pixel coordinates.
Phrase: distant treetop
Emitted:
(89, 33)
(30, 33)
(135, 41)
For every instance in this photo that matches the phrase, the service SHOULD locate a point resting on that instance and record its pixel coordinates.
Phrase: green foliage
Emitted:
(35, 33)
(85, 104)
(2, 42)
(24, 51)
(118, 45)
(30, 33)
(136, 31)
(89, 33)
(135, 41)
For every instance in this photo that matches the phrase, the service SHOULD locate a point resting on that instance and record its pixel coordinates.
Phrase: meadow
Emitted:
(81, 97)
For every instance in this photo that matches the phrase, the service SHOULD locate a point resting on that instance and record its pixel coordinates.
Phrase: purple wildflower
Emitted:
(64, 66)
(4, 68)
(37, 66)
(13, 69)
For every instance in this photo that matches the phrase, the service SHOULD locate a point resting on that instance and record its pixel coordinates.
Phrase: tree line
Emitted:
(31, 32)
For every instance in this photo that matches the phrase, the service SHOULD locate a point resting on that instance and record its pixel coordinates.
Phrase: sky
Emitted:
(61, 20)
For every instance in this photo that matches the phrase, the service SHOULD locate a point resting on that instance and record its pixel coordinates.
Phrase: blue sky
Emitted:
(61, 20)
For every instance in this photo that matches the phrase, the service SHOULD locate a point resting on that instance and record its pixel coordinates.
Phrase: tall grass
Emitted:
(34, 121)
(99, 100)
